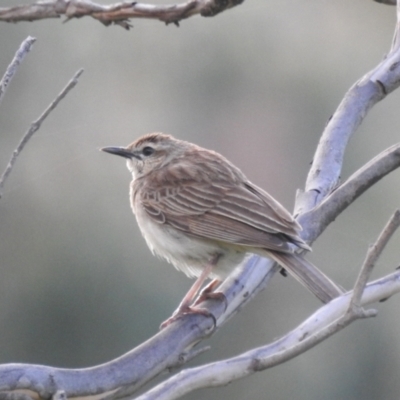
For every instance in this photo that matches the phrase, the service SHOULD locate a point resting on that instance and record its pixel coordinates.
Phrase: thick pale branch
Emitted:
(118, 13)
(328, 159)
(152, 356)
(36, 125)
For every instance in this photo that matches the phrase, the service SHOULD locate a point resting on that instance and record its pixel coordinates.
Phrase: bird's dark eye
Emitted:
(148, 151)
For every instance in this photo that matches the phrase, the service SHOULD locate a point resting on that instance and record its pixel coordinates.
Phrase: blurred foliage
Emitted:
(78, 285)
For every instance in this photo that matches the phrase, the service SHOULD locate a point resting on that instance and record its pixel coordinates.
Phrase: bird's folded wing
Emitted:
(238, 214)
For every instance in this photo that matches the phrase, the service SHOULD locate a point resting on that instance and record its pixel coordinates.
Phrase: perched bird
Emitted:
(199, 212)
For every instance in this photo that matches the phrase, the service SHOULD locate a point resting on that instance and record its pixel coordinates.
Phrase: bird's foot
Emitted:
(181, 311)
(206, 295)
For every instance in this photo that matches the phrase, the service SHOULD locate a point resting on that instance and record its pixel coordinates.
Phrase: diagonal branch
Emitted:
(36, 125)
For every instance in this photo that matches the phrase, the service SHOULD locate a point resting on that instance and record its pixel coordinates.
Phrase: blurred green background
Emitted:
(78, 285)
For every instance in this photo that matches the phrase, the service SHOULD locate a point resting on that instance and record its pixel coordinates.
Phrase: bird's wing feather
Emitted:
(235, 213)
(227, 230)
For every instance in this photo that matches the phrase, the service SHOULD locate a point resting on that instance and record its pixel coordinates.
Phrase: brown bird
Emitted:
(199, 212)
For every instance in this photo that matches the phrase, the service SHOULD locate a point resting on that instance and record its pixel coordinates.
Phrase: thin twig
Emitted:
(23, 50)
(373, 253)
(36, 125)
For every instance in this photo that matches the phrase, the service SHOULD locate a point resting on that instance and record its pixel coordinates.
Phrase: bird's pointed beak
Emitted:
(120, 151)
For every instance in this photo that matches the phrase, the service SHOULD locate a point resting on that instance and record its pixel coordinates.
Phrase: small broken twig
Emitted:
(23, 50)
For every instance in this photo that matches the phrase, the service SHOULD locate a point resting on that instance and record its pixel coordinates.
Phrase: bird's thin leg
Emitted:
(210, 287)
(184, 306)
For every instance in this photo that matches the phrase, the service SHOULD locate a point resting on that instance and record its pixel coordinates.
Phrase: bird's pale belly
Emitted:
(188, 254)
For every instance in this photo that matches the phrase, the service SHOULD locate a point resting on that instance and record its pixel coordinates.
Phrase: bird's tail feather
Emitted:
(308, 275)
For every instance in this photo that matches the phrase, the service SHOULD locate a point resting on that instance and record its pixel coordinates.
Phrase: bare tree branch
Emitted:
(118, 13)
(36, 125)
(23, 50)
(318, 219)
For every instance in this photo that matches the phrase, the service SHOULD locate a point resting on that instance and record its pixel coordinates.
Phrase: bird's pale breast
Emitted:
(189, 255)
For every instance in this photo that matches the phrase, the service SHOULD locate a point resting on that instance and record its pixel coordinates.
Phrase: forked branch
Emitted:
(319, 218)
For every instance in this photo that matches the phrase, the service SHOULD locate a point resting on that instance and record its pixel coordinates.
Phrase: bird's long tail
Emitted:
(308, 275)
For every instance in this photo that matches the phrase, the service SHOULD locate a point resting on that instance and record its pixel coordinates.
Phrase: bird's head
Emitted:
(150, 152)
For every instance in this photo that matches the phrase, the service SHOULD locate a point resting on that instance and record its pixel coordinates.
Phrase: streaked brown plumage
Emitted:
(199, 212)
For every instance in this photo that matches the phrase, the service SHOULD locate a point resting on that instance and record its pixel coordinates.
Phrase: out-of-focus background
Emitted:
(78, 285)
